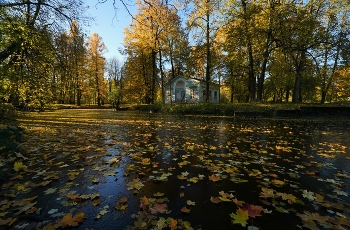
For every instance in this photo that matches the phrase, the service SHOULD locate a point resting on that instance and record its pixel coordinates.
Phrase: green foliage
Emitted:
(10, 136)
(114, 94)
(218, 109)
(7, 113)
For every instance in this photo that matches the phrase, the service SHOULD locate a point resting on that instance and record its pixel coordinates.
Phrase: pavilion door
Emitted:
(180, 95)
(180, 91)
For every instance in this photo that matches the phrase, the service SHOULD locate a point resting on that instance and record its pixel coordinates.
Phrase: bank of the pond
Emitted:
(255, 110)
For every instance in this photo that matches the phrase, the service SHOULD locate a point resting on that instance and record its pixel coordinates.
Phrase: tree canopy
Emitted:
(265, 50)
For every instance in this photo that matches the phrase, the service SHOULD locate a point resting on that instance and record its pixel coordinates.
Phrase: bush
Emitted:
(7, 113)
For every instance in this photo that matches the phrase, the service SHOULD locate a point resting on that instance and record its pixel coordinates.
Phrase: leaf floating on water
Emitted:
(214, 178)
(215, 200)
(158, 194)
(122, 200)
(189, 202)
(240, 217)
(161, 208)
(71, 221)
(309, 195)
(135, 184)
(19, 166)
(266, 193)
(185, 210)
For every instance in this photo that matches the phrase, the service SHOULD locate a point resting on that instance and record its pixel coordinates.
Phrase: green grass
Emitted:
(216, 109)
(265, 109)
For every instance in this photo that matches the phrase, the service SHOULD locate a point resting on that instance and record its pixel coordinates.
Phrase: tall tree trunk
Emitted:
(172, 60)
(207, 69)
(232, 92)
(261, 78)
(77, 82)
(252, 80)
(287, 95)
(299, 65)
(146, 80)
(153, 82)
(97, 83)
(161, 75)
(328, 84)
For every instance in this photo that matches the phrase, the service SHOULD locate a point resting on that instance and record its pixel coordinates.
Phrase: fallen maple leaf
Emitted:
(18, 166)
(266, 193)
(71, 221)
(135, 184)
(173, 224)
(277, 182)
(145, 161)
(72, 196)
(289, 197)
(240, 217)
(309, 195)
(253, 210)
(49, 227)
(158, 194)
(185, 210)
(6, 186)
(96, 202)
(319, 197)
(215, 200)
(214, 178)
(122, 200)
(238, 202)
(101, 213)
(161, 223)
(189, 202)
(161, 208)
(193, 179)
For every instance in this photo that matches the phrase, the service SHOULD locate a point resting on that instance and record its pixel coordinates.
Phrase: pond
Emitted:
(101, 169)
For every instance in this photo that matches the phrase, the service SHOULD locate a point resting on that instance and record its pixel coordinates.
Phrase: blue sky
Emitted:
(108, 25)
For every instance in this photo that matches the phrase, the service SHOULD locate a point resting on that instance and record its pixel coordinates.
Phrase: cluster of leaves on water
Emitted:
(168, 173)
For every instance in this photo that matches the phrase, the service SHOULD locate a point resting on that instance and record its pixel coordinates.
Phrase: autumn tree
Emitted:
(70, 65)
(115, 81)
(27, 52)
(327, 57)
(150, 41)
(96, 66)
(203, 22)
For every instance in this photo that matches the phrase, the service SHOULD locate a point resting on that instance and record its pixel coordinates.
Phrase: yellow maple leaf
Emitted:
(135, 184)
(145, 161)
(289, 197)
(158, 194)
(240, 217)
(18, 165)
(277, 182)
(193, 179)
(266, 193)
